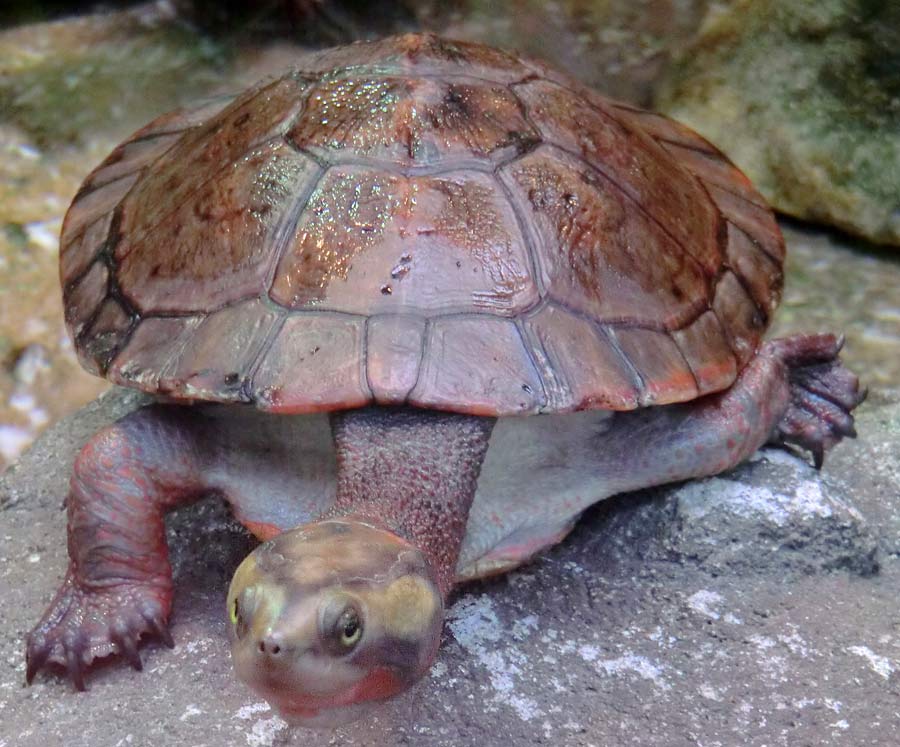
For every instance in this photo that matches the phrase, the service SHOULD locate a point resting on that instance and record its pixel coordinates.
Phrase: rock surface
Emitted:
(701, 614)
(805, 97)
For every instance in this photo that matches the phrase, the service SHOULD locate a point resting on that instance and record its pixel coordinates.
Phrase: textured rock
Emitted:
(772, 516)
(805, 97)
(630, 632)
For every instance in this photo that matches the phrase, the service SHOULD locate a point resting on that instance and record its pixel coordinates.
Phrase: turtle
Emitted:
(409, 308)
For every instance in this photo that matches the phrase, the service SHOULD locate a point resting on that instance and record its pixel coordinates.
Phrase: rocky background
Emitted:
(757, 608)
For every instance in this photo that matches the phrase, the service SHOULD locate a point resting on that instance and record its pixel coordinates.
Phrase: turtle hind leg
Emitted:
(823, 394)
(118, 586)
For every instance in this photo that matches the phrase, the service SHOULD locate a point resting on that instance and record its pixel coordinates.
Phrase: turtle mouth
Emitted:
(333, 709)
(329, 704)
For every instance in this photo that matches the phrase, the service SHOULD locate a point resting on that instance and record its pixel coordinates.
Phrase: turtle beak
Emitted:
(333, 618)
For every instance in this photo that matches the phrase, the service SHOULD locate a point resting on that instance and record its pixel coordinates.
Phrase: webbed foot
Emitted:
(823, 393)
(84, 623)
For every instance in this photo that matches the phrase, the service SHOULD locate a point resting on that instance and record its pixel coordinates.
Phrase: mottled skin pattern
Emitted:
(412, 473)
(422, 238)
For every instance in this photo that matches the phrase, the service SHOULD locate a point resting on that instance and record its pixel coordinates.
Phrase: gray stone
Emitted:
(772, 516)
(608, 639)
(805, 97)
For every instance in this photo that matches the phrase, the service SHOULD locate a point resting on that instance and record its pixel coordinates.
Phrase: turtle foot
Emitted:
(823, 394)
(84, 623)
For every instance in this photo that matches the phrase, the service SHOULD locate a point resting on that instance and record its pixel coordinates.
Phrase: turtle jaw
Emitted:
(309, 691)
(332, 618)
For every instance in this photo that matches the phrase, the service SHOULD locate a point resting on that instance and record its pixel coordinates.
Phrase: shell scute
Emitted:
(394, 346)
(83, 298)
(130, 157)
(374, 242)
(92, 206)
(663, 129)
(218, 355)
(145, 357)
(705, 348)
(758, 271)
(77, 255)
(107, 332)
(421, 122)
(216, 245)
(665, 375)
(581, 367)
(743, 319)
(425, 222)
(630, 160)
(314, 364)
(479, 366)
(599, 253)
(757, 222)
(209, 150)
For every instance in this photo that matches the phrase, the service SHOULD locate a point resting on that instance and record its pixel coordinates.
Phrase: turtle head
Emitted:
(332, 618)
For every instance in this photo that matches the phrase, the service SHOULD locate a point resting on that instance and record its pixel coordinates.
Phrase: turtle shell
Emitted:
(424, 222)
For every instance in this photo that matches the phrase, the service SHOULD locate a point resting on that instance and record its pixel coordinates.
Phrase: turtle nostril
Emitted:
(270, 646)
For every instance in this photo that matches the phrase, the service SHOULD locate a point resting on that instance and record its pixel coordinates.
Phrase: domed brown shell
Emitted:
(426, 222)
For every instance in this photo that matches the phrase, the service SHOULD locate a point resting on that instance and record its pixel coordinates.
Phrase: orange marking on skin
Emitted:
(261, 530)
(379, 684)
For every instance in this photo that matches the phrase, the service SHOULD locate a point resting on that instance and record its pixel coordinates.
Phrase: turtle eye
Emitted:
(341, 627)
(237, 618)
(349, 628)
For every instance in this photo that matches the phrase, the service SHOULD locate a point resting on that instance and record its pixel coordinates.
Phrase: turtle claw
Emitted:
(84, 623)
(75, 665)
(159, 629)
(127, 646)
(823, 394)
(35, 661)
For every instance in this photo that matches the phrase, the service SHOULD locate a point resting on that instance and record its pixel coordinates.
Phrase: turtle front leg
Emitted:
(118, 586)
(795, 391)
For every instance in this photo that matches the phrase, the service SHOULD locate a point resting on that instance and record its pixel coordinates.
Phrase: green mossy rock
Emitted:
(805, 97)
(63, 82)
